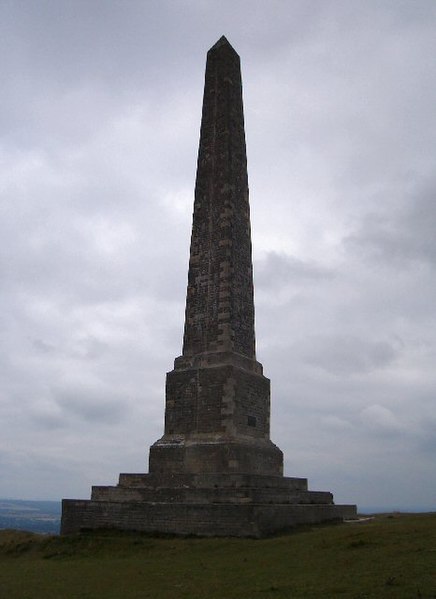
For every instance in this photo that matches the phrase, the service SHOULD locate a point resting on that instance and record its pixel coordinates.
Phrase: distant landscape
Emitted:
(34, 516)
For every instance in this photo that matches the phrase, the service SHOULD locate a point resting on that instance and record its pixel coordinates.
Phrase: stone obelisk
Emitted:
(217, 400)
(215, 471)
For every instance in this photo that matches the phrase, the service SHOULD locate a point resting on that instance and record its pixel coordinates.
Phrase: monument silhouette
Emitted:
(215, 471)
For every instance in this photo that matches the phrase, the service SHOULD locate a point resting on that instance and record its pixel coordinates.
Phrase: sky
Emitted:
(100, 110)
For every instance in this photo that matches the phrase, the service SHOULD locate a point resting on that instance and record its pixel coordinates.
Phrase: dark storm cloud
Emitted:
(405, 237)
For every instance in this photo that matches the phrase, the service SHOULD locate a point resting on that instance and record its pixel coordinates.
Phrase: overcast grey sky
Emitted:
(100, 112)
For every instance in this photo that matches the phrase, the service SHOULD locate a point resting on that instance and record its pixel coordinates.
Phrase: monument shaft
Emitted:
(219, 304)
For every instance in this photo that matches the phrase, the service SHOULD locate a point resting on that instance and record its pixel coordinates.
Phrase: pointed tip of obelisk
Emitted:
(222, 42)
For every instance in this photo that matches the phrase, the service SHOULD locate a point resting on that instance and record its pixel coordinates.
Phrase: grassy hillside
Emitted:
(390, 556)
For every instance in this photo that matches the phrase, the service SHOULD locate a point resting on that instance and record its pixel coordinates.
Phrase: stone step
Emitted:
(214, 495)
(237, 520)
(210, 481)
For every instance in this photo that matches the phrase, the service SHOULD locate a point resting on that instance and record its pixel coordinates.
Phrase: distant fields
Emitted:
(392, 556)
(34, 516)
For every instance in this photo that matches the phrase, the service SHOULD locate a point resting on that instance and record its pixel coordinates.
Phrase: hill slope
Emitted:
(389, 556)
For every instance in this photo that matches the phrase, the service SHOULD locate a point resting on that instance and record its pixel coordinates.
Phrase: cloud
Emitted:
(280, 270)
(336, 424)
(346, 355)
(381, 419)
(100, 115)
(403, 237)
(91, 404)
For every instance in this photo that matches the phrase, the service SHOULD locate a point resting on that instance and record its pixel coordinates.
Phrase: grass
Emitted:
(390, 556)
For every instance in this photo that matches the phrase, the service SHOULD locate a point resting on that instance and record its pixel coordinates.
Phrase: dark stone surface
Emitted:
(216, 420)
(215, 471)
(210, 455)
(217, 399)
(230, 519)
(219, 305)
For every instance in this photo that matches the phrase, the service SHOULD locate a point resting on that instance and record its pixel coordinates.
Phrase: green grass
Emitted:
(390, 556)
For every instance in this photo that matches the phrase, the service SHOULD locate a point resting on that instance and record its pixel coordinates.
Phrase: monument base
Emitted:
(238, 505)
(215, 453)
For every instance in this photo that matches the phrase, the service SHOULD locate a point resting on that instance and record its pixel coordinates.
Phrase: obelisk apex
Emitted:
(223, 41)
(219, 306)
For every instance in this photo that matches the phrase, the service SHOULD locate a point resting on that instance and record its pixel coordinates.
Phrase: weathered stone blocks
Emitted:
(215, 471)
(233, 519)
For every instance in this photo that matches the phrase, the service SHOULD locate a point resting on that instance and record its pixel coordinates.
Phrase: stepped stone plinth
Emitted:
(215, 471)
